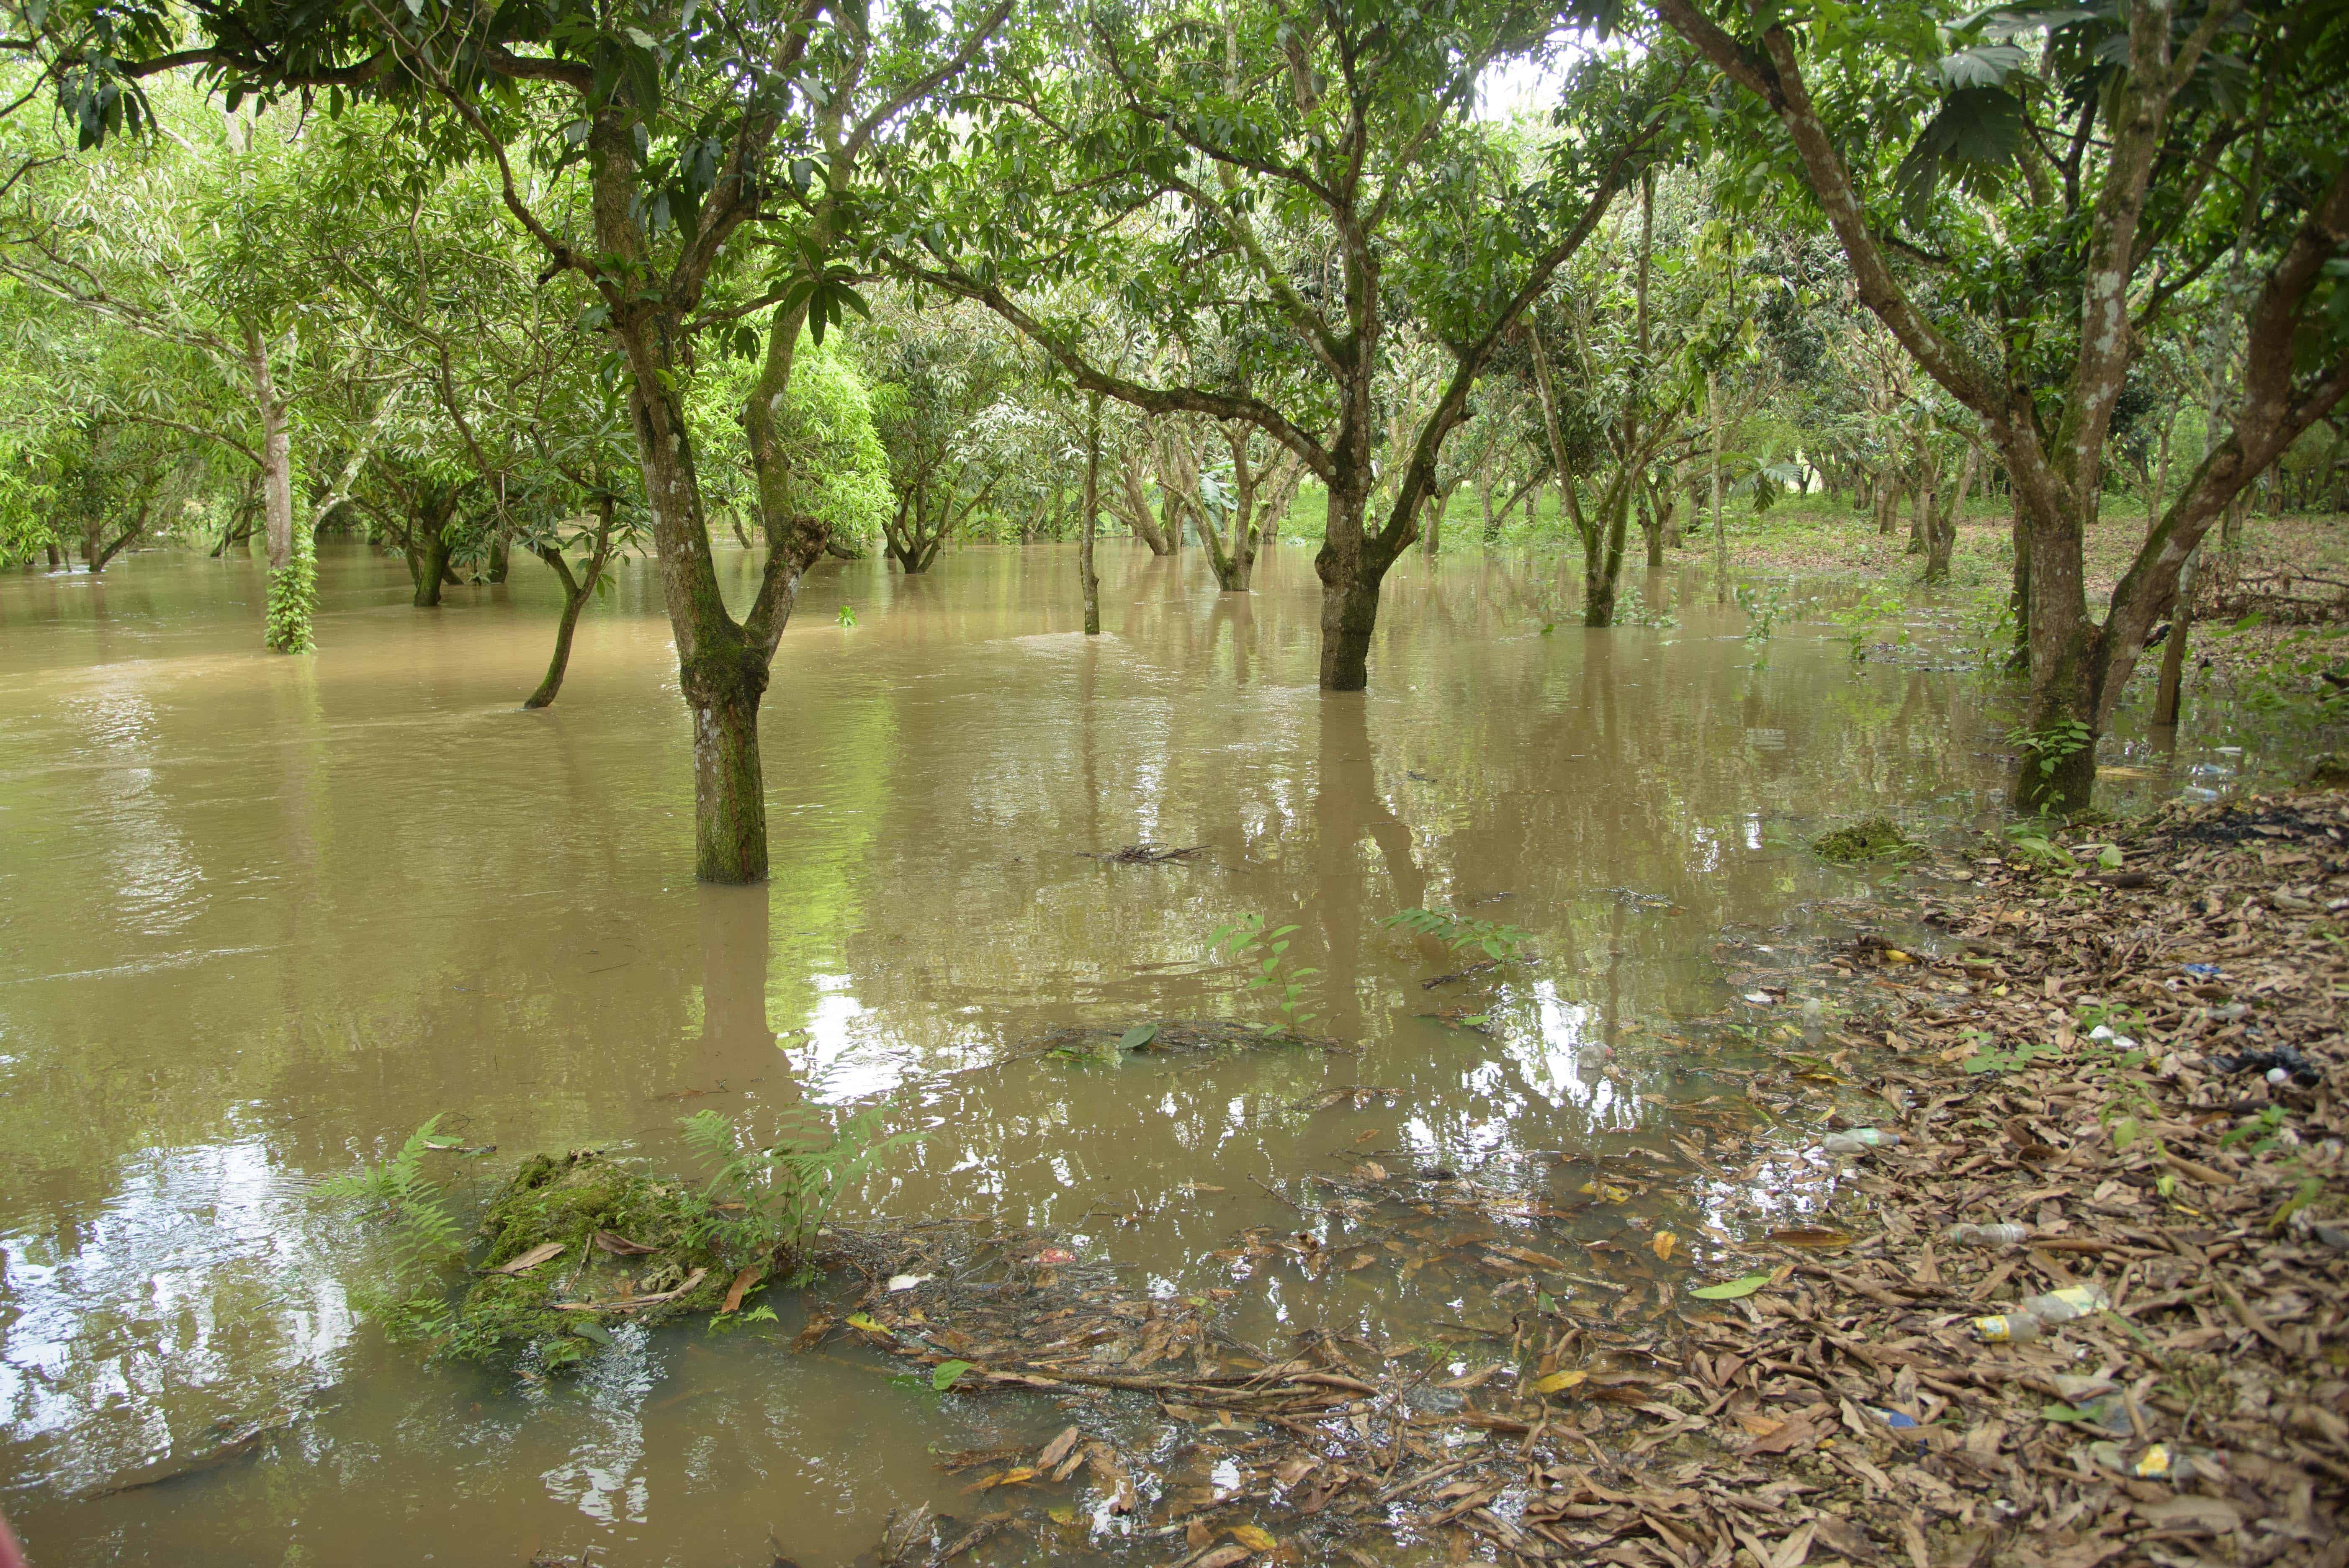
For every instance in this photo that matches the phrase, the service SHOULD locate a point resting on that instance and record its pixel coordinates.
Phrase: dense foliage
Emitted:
(589, 278)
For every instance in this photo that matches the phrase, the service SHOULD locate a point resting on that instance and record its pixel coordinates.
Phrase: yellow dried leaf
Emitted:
(1255, 1540)
(1559, 1382)
(1663, 1244)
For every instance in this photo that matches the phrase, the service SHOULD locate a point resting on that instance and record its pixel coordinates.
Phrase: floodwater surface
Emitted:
(260, 917)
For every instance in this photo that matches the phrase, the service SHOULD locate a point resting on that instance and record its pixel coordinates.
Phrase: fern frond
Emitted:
(710, 1137)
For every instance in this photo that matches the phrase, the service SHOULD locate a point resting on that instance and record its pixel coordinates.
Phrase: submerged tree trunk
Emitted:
(1942, 546)
(576, 591)
(1352, 565)
(1720, 531)
(429, 548)
(1602, 550)
(1090, 507)
(293, 584)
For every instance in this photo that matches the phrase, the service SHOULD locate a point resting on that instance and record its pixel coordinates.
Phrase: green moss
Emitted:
(1871, 838)
(571, 1201)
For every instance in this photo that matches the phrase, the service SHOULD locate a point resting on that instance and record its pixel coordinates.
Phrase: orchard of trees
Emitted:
(588, 278)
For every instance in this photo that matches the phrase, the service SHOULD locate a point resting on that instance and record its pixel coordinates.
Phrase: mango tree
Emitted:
(2063, 175)
(724, 153)
(1312, 178)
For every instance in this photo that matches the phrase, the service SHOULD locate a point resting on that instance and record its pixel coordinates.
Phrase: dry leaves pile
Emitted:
(2087, 1057)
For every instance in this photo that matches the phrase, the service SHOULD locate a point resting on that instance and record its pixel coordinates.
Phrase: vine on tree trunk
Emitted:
(293, 597)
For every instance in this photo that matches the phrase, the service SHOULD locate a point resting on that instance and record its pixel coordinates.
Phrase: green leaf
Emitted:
(1744, 1285)
(1134, 1039)
(947, 1371)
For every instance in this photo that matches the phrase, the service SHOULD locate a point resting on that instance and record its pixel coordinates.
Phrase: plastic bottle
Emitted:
(2071, 1301)
(1859, 1140)
(2008, 1328)
(1999, 1235)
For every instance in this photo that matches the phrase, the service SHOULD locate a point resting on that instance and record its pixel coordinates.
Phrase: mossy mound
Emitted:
(2328, 772)
(1871, 839)
(631, 1248)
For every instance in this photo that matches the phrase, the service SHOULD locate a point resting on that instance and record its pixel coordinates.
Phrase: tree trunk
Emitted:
(2160, 472)
(1602, 550)
(2058, 769)
(1720, 533)
(1921, 509)
(56, 559)
(721, 672)
(2169, 695)
(1652, 527)
(576, 592)
(1350, 589)
(107, 553)
(2018, 598)
(1091, 505)
(293, 584)
(501, 556)
(427, 553)
(1941, 547)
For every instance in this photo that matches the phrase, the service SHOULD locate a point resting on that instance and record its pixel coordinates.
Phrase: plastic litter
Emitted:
(2295, 1066)
(2201, 970)
(2007, 1328)
(1859, 1140)
(1899, 1421)
(2071, 1301)
(1998, 1235)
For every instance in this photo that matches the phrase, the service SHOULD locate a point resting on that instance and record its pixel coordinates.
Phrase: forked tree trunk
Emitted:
(1602, 550)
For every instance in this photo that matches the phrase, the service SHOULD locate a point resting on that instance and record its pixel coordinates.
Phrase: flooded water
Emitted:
(260, 917)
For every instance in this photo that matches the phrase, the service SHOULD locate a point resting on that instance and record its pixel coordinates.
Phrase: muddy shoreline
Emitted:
(2053, 1049)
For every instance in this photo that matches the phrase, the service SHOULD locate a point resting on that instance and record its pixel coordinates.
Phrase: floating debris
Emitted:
(1871, 839)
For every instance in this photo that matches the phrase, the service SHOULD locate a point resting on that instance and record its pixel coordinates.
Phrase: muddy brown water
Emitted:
(261, 916)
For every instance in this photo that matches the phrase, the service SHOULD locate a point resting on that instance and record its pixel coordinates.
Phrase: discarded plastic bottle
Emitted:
(2071, 1301)
(1859, 1140)
(2008, 1328)
(2000, 1236)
